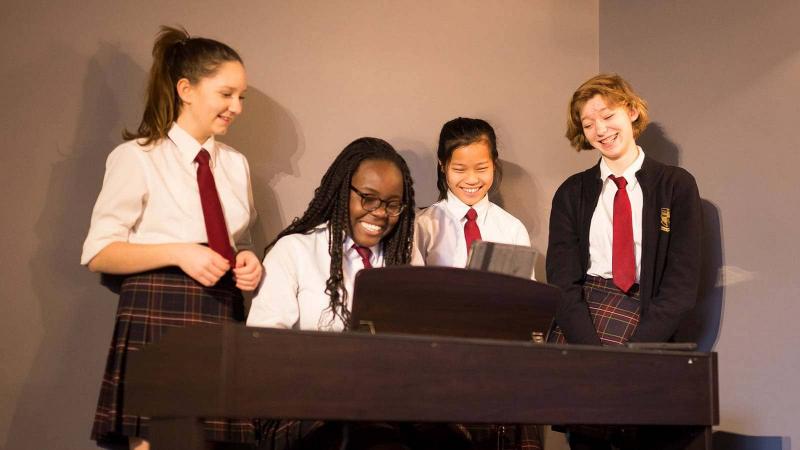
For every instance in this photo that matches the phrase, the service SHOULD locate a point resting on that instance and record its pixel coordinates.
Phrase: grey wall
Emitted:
(722, 80)
(321, 74)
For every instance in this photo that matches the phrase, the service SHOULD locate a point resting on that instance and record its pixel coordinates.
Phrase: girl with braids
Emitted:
(167, 192)
(361, 215)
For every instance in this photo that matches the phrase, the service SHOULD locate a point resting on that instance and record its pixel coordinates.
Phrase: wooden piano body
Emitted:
(235, 371)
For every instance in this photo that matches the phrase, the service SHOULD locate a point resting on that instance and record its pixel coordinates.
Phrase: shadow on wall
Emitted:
(702, 325)
(267, 134)
(422, 164)
(733, 441)
(56, 406)
(520, 195)
(656, 144)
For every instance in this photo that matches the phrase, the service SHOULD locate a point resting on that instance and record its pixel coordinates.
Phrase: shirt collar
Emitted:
(188, 147)
(347, 244)
(629, 174)
(459, 209)
(352, 253)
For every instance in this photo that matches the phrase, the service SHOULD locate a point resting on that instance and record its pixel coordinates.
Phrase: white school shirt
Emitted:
(439, 231)
(292, 292)
(150, 194)
(601, 231)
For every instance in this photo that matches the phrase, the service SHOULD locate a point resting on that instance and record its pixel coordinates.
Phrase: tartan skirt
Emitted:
(615, 314)
(321, 435)
(150, 304)
(505, 437)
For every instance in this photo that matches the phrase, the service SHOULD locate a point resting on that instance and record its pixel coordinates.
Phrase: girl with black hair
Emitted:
(468, 168)
(173, 217)
(361, 216)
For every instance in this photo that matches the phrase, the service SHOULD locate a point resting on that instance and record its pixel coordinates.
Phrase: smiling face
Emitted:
(381, 179)
(470, 172)
(210, 105)
(608, 128)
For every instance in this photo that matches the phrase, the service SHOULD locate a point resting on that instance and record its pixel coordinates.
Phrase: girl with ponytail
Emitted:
(173, 218)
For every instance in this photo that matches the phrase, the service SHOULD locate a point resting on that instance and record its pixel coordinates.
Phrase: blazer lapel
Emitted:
(591, 186)
(647, 176)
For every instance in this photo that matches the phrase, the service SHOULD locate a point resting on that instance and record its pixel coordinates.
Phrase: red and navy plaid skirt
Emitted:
(614, 313)
(321, 435)
(150, 304)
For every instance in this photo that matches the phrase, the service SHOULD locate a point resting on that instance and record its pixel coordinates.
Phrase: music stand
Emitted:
(502, 258)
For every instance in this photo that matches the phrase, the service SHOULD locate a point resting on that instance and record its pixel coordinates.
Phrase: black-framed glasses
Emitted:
(370, 203)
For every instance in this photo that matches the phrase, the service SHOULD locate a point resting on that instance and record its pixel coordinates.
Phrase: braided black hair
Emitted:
(331, 203)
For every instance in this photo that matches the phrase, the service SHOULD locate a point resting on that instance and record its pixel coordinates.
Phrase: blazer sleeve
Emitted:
(676, 293)
(564, 268)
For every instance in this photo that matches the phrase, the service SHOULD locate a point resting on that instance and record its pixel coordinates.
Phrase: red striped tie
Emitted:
(623, 258)
(471, 231)
(216, 229)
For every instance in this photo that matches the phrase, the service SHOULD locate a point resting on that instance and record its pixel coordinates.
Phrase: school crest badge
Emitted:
(665, 220)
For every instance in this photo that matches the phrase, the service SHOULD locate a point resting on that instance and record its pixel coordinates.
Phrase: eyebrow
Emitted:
(374, 193)
(479, 163)
(233, 88)
(600, 111)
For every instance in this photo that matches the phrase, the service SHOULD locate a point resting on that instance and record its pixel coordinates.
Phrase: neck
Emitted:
(619, 165)
(187, 125)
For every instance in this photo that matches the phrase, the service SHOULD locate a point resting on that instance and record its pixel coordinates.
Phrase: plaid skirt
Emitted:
(321, 435)
(614, 313)
(504, 437)
(150, 304)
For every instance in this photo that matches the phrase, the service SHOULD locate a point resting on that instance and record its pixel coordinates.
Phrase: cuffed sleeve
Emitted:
(121, 202)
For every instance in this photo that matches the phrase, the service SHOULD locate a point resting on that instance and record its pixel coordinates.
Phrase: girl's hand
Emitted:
(248, 270)
(201, 263)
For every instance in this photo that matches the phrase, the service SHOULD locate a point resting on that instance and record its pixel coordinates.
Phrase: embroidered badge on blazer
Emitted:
(665, 219)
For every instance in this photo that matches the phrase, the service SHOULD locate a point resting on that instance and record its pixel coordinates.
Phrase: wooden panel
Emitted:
(238, 371)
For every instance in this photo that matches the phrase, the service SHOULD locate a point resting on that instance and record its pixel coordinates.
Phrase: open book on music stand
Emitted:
(448, 301)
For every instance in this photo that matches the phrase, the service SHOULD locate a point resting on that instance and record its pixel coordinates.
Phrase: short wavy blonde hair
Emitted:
(616, 92)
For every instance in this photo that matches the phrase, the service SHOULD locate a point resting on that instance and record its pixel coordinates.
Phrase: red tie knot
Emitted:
(203, 157)
(365, 253)
(472, 215)
(621, 182)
